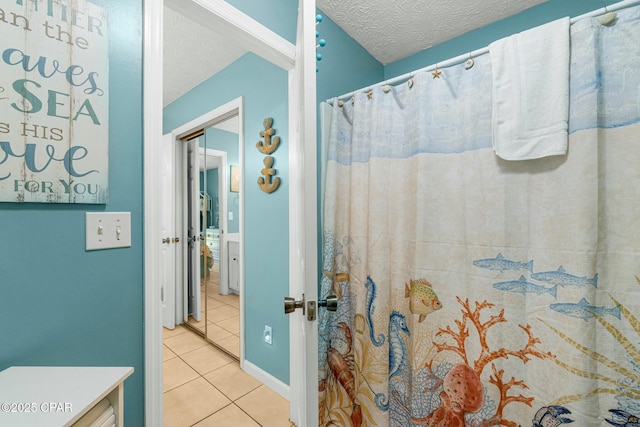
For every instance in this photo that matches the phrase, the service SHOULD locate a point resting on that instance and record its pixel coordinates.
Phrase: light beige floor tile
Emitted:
(191, 403)
(232, 381)
(206, 359)
(229, 310)
(214, 315)
(176, 372)
(230, 416)
(266, 406)
(216, 333)
(231, 324)
(167, 333)
(213, 303)
(167, 353)
(227, 299)
(235, 303)
(184, 343)
(231, 344)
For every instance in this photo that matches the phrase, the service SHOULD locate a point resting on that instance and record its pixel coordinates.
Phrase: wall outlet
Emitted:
(268, 335)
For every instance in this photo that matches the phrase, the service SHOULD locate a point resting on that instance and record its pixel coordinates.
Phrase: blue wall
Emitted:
(279, 16)
(345, 66)
(61, 305)
(480, 38)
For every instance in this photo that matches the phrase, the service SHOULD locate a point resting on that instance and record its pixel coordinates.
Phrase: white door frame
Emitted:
(265, 43)
(168, 245)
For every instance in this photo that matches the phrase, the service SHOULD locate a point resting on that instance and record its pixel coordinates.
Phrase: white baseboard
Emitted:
(267, 379)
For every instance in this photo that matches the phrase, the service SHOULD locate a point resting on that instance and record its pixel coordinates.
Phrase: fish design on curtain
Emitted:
(480, 292)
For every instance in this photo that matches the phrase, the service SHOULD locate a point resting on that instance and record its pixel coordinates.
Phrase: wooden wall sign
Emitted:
(54, 102)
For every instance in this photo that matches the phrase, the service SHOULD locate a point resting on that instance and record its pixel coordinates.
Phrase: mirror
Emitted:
(213, 209)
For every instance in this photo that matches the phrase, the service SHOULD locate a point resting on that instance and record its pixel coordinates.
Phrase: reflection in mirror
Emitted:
(217, 213)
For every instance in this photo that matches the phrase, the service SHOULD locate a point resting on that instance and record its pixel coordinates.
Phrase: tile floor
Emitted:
(222, 318)
(203, 386)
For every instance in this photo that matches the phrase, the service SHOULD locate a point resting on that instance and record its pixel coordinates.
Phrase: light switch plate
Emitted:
(105, 230)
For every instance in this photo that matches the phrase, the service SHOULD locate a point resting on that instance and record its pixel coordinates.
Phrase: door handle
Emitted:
(290, 304)
(176, 240)
(166, 240)
(331, 303)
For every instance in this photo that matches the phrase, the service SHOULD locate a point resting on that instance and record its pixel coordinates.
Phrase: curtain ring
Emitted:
(469, 63)
(609, 18)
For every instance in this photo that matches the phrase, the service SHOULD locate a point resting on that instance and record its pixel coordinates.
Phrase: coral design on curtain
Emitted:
(476, 291)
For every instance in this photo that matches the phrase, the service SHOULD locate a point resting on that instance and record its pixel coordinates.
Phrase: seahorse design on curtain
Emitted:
(371, 295)
(397, 346)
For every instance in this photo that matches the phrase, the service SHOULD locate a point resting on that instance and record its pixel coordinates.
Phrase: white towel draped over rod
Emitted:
(462, 58)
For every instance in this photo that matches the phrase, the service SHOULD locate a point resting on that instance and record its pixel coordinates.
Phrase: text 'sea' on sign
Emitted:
(54, 102)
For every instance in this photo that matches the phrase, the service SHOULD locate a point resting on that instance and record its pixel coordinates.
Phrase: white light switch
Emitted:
(230, 216)
(106, 230)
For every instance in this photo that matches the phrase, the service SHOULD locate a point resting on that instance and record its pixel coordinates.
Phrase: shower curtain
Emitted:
(475, 291)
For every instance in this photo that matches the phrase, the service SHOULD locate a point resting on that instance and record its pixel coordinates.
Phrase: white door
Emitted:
(168, 232)
(194, 212)
(303, 216)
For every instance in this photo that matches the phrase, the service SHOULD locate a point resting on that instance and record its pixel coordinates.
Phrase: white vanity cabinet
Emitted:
(46, 396)
(213, 242)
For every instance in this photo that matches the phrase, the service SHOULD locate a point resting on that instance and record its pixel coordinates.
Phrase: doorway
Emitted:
(302, 210)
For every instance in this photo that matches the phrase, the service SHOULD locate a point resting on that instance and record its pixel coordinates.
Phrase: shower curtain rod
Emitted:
(462, 58)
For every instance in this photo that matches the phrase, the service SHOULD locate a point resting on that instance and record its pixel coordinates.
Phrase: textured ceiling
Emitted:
(394, 29)
(192, 54)
(388, 29)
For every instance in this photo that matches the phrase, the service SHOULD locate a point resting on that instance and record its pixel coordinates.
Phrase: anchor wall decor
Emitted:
(268, 146)
(268, 182)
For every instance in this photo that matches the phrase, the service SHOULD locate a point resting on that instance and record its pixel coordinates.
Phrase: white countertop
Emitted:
(34, 396)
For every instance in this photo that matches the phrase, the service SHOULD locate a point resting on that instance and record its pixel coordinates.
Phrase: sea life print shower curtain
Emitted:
(475, 291)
